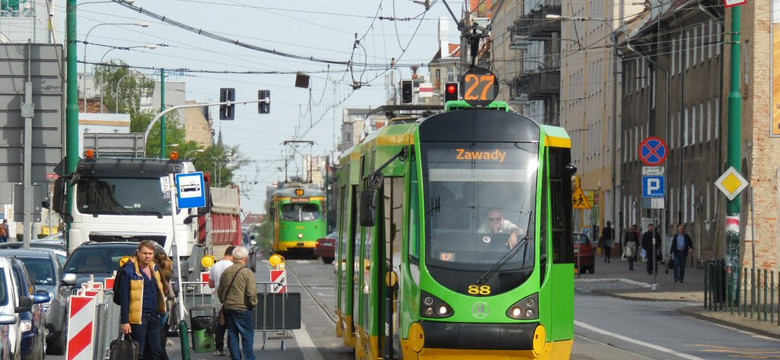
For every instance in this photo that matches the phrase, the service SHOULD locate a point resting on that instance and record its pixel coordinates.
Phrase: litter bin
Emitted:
(202, 331)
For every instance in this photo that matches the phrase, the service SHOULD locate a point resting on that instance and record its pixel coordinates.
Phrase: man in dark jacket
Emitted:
(650, 251)
(681, 244)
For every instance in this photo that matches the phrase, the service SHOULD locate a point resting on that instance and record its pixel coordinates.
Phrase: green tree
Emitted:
(222, 162)
(129, 85)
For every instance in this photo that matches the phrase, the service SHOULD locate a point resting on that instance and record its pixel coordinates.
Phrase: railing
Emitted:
(756, 294)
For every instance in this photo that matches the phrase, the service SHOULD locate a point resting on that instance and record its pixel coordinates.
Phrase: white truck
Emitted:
(120, 198)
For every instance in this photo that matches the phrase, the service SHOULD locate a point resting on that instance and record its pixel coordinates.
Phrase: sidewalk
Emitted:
(614, 279)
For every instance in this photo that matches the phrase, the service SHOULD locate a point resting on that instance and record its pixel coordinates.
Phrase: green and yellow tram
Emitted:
(299, 220)
(421, 275)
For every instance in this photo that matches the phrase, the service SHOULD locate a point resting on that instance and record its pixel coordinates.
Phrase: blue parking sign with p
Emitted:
(653, 186)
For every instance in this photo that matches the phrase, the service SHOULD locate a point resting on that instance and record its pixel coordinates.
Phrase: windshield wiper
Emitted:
(107, 212)
(158, 213)
(510, 254)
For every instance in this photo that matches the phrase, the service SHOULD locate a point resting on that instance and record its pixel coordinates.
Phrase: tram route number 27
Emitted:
(479, 290)
(480, 87)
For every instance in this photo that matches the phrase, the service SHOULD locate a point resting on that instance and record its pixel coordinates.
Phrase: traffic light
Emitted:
(406, 92)
(450, 91)
(264, 107)
(227, 112)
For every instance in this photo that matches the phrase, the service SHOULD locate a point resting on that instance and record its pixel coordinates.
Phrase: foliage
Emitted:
(130, 85)
(265, 234)
(221, 162)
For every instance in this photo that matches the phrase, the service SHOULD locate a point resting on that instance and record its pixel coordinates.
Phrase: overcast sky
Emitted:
(324, 30)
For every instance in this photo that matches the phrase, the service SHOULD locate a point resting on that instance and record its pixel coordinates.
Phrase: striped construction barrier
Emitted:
(81, 327)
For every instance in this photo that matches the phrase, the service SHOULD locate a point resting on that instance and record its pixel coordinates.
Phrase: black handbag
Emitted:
(124, 348)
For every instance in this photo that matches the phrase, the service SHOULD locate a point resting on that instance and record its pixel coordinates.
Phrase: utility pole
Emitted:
(734, 156)
(162, 110)
(72, 107)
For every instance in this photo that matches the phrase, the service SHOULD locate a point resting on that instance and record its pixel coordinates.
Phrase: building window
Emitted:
(709, 120)
(716, 119)
(700, 129)
(685, 203)
(687, 49)
(693, 125)
(695, 41)
(685, 128)
(693, 202)
(711, 39)
(674, 55)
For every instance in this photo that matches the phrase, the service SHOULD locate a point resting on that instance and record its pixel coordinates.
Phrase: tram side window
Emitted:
(414, 216)
(561, 206)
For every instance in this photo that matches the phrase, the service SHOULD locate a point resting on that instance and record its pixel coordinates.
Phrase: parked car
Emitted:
(98, 260)
(58, 247)
(251, 245)
(45, 269)
(325, 248)
(27, 335)
(584, 258)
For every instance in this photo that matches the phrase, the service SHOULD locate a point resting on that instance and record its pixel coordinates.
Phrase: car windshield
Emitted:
(97, 259)
(41, 270)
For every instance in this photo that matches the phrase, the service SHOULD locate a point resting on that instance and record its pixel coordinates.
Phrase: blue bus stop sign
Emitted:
(190, 191)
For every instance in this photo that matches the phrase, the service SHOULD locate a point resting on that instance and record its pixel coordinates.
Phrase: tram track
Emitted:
(311, 293)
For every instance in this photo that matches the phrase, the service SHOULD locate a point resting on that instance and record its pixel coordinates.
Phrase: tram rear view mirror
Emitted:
(367, 207)
(571, 169)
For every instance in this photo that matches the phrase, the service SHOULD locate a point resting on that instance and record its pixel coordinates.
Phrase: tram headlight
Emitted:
(434, 307)
(525, 309)
(300, 236)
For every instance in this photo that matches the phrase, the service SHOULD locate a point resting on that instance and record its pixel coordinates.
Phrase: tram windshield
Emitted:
(300, 212)
(479, 198)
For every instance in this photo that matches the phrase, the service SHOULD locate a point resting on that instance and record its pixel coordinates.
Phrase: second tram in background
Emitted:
(299, 220)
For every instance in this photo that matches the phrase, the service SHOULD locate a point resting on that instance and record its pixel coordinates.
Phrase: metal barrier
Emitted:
(756, 297)
(274, 312)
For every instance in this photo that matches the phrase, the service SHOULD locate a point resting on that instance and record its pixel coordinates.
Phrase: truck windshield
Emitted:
(115, 196)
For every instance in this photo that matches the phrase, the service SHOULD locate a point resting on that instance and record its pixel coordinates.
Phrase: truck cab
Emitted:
(123, 199)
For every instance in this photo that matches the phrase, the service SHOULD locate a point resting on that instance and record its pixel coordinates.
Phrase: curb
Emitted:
(726, 319)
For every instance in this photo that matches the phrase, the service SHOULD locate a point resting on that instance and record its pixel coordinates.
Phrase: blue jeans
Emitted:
(148, 336)
(679, 265)
(240, 323)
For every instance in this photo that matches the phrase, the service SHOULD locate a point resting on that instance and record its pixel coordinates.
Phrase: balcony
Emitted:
(540, 85)
(536, 23)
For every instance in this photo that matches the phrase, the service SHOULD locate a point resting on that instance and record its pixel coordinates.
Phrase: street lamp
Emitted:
(84, 70)
(192, 151)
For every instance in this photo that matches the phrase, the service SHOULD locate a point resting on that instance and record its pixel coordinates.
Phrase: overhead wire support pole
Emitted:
(734, 156)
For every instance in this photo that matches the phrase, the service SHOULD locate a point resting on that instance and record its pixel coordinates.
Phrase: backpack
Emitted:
(3, 230)
(119, 275)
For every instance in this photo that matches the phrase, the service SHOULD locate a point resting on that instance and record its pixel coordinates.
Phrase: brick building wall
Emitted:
(759, 149)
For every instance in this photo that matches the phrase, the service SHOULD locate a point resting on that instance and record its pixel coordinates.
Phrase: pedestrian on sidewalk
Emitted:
(214, 275)
(647, 246)
(237, 290)
(607, 237)
(630, 241)
(680, 246)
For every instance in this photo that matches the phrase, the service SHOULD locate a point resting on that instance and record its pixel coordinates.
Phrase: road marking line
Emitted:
(310, 351)
(637, 342)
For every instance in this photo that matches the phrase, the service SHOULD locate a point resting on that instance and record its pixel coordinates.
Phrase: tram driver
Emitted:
(495, 223)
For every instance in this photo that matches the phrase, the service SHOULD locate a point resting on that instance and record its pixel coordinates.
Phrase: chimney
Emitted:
(444, 45)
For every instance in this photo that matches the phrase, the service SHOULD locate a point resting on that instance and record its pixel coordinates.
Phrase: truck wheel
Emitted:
(327, 260)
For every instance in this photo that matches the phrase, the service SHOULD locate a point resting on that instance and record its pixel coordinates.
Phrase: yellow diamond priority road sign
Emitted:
(731, 183)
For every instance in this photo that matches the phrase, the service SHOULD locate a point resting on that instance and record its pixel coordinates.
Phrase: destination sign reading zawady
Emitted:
(495, 155)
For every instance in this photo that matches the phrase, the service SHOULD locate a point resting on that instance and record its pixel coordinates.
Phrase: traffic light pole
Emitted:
(734, 156)
(177, 107)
